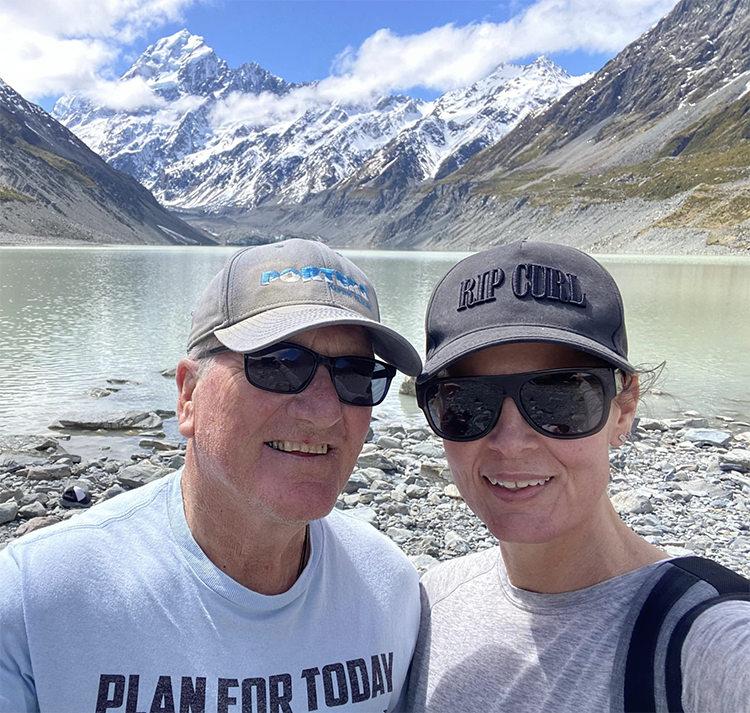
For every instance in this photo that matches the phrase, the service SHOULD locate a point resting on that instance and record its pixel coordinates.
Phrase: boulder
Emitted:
(97, 393)
(632, 503)
(34, 445)
(15, 494)
(423, 562)
(366, 514)
(452, 491)
(388, 442)
(53, 471)
(36, 523)
(356, 481)
(374, 459)
(737, 459)
(707, 437)
(8, 511)
(35, 509)
(157, 445)
(134, 476)
(110, 421)
(408, 386)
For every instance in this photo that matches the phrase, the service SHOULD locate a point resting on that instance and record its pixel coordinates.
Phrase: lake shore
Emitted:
(687, 242)
(683, 484)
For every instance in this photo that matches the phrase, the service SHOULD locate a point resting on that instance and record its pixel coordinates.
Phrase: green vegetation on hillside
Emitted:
(11, 194)
(57, 162)
(658, 179)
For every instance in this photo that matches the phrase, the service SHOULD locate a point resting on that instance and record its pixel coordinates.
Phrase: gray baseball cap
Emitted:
(525, 292)
(268, 293)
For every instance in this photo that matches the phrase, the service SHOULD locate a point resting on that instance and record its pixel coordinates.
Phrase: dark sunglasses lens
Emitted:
(361, 381)
(286, 370)
(462, 411)
(569, 404)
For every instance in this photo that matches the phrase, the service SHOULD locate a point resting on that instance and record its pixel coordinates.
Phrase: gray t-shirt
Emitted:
(487, 646)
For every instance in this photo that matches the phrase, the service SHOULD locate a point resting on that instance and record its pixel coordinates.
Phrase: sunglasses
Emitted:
(286, 368)
(559, 403)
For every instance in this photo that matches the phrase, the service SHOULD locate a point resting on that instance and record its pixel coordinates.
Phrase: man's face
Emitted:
(259, 448)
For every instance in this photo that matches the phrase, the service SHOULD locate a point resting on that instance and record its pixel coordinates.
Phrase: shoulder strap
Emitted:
(639, 672)
(730, 585)
(639, 668)
(724, 580)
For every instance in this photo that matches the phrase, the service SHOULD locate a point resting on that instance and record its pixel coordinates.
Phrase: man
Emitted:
(233, 585)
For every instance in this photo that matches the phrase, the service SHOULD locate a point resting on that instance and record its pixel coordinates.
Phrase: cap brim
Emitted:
(275, 325)
(475, 341)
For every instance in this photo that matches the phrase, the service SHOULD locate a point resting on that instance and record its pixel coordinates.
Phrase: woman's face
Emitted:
(562, 482)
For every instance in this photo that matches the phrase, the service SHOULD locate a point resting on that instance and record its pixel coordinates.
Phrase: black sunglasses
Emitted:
(559, 403)
(286, 368)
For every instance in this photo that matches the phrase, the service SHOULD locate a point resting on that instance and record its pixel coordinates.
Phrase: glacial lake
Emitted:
(72, 318)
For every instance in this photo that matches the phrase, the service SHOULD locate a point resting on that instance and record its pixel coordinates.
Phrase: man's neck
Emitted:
(260, 555)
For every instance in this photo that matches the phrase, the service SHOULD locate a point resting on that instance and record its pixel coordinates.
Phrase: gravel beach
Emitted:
(682, 484)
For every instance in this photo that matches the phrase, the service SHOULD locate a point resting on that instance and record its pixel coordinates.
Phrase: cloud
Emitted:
(61, 46)
(449, 57)
(52, 47)
(128, 95)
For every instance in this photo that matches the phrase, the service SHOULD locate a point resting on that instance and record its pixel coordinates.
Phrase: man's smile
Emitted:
(292, 447)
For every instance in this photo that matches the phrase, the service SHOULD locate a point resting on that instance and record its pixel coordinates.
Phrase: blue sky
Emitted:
(420, 47)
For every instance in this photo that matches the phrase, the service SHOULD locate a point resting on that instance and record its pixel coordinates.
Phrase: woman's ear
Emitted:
(626, 403)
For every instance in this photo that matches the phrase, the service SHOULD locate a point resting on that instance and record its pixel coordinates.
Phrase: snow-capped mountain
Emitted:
(203, 136)
(53, 188)
(465, 121)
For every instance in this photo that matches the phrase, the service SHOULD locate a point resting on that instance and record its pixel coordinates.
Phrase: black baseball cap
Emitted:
(268, 293)
(525, 292)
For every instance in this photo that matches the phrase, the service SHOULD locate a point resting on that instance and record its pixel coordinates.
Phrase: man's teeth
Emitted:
(290, 447)
(517, 484)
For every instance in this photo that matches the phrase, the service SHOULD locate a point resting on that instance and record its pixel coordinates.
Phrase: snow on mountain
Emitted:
(189, 137)
(465, 121)
(55, 189)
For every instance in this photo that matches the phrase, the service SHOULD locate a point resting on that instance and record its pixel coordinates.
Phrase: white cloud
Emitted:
(128, 95)
(449, 57)
(62, 46)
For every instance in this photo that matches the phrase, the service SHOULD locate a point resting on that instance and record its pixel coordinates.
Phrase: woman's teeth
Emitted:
(517, 484)
(290, 447)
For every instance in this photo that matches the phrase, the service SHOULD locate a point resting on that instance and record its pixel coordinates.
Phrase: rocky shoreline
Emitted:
(682, 484)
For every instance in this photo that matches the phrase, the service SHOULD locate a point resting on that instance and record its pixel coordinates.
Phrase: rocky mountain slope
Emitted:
(651, 154)
(54, 189)
(215, 138)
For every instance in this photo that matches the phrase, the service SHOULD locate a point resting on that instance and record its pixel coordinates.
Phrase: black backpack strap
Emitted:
(639, 668)
(639, 684)
(730, 585)
(724, 580)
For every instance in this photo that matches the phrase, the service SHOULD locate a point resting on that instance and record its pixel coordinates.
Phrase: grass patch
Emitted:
(8, 194)
(657, 179)
(57, 162)
(710, 208)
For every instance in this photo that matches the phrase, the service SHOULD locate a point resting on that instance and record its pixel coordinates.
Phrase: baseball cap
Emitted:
(525, 292)
(268, 293)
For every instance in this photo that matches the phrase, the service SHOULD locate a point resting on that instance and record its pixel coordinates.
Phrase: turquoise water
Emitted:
(70, 318)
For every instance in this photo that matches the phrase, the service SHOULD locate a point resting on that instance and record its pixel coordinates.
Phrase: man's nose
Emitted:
(319, 402)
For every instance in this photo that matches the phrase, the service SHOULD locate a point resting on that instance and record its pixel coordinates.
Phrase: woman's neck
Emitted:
(579, 559)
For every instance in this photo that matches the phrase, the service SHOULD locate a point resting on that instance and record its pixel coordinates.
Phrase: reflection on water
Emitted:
(70, 318)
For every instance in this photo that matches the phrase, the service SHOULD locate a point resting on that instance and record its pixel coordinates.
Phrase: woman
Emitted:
(528, 382)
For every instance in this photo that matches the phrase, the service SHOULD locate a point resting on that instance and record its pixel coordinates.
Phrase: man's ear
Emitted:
(626, 403)
(187, 379)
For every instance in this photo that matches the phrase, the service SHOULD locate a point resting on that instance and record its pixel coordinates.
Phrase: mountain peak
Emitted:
(177, 65)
